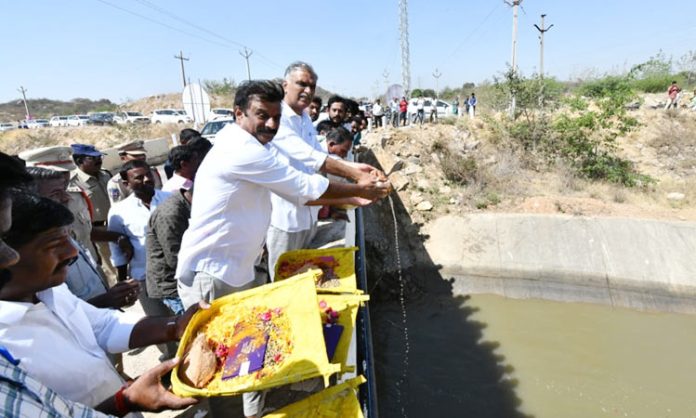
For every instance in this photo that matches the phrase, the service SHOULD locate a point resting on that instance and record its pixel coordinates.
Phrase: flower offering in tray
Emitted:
(333, 268)
(252, 340)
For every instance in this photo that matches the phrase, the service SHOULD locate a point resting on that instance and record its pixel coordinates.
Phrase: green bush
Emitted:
(654, 84)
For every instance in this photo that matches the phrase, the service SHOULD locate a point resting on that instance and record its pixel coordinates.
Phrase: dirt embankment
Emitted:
(18, 140)
(498, 179)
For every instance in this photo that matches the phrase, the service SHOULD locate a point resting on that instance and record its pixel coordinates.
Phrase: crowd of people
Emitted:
(80, 243)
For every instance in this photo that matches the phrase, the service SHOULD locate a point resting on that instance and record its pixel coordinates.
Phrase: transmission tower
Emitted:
(405, 59)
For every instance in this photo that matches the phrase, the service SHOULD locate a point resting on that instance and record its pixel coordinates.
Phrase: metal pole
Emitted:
(181, 58)
(515, 6)
(247, 53)
(437, 76)
(541, 45)
(22, 90)
(541, 30)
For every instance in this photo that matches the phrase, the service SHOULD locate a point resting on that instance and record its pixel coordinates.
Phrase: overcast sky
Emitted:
(124, 49)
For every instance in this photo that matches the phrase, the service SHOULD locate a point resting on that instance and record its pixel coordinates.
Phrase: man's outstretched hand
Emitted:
(146, 393)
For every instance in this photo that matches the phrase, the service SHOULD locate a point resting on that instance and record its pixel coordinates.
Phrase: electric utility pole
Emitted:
(181, 58)
(515, 4)
(22, 90)
(542, 30)
(246, 54)
(405, 58)
(437, 76)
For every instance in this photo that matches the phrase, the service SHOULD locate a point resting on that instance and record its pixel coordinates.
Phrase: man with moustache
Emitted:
(293, 225)
(231, 207)
(84, 278)
(21, 395)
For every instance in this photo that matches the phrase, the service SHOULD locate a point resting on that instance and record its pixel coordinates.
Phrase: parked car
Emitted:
(78, 120)
(6, 126)
(220, 112)
(210, 129)
(56, 121)
(101, 119)
(443, 108)
(130, 117)
(37, 123)
(170, 116)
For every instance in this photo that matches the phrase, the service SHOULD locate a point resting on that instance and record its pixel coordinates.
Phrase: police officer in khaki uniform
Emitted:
(134, 150)
(93, 180)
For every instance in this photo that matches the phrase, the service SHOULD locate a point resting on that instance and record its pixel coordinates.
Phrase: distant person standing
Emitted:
(403, 108)
(394, 107)
(433, 111)
(455, 106)
(420, 110)
(377, 114)
(674, 93)
(472, 105)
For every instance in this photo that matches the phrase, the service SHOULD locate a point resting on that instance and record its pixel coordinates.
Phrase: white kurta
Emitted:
(231, 208)
(61, 342)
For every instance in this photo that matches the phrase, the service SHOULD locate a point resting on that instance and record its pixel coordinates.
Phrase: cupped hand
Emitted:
(146, 393)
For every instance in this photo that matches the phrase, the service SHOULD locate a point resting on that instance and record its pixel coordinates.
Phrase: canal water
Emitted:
(488, 356)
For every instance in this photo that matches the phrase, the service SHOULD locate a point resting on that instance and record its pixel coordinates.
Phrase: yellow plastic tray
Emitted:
(297, 298)
(338, 401)
(345, 269)
(347, 308)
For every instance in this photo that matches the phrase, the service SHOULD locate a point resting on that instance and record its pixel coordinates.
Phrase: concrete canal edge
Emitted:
(635, 263)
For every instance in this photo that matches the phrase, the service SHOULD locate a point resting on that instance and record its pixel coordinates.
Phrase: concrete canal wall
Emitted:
(636, 263)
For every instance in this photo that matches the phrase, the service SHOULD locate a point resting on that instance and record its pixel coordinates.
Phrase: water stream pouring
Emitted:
(404, 370)
(398, 165)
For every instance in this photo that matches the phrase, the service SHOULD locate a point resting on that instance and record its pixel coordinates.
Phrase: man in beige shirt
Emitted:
(90, 177)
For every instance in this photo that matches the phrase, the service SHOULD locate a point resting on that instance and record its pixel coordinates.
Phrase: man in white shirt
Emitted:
(377, 113)
(293, 224)
(231, 207)
(130, 217)
(58, 338)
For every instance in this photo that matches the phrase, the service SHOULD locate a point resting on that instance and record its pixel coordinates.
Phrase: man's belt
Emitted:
(99, 223)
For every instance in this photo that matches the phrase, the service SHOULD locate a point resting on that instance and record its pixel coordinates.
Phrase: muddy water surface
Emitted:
(488, 356)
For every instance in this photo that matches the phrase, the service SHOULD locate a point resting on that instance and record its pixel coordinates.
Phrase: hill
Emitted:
(45, 108)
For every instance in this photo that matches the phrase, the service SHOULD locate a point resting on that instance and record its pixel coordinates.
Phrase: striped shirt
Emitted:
(21, 396)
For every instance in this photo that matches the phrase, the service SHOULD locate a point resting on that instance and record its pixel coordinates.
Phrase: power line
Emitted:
(485, 19)
(186, 22)
(200, 28)
(157, 22)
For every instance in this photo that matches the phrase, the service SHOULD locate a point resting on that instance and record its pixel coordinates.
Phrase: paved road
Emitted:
(639, 263)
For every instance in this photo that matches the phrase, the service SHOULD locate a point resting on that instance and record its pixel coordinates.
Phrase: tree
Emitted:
(417, 93)
(687, 64)
(429, 93)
